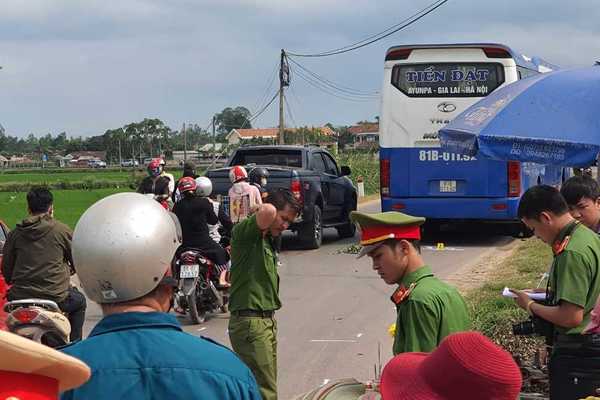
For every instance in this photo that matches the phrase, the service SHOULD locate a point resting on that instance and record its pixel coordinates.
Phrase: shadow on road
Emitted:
(469, 234)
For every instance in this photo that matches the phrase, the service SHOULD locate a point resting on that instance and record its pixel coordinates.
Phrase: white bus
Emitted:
(424, 87)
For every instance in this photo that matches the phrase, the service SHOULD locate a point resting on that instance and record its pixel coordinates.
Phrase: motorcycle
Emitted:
(199, 292)
(39, 320)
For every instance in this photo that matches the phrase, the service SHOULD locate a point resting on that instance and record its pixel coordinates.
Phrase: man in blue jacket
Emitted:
(123, 247)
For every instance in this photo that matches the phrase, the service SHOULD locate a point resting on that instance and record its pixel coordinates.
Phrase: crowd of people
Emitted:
(123, 249)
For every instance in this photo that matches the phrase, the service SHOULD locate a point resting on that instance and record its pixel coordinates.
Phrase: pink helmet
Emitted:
(237, 173)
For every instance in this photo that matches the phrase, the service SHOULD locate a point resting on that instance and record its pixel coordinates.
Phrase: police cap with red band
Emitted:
(376, 228)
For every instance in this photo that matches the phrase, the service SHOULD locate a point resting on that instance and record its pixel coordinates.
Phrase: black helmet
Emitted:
(257, 174)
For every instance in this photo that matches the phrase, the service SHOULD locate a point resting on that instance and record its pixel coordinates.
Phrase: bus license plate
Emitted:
(448, 186)
(189, 271)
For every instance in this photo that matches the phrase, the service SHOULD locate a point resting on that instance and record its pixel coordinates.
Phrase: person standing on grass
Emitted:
(37, 260)
(573, 287)
(582, 195)
(254, 295)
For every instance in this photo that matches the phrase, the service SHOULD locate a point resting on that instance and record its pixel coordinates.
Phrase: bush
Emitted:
(365, 164)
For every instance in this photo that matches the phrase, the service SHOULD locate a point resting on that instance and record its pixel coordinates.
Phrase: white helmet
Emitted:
(203, 186)
(122, 247)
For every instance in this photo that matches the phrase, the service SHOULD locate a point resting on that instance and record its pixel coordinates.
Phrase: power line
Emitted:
(270, 80)
(341, 88)
(253, 117)
(325, 89)
(289, 111)
(378, 36)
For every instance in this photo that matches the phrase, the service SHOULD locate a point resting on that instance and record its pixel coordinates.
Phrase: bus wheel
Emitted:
(521, 231)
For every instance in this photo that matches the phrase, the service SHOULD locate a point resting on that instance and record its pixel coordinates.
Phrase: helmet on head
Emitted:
(258, 174)
(186, 184)
(155, 167)
(123, 245)
(237, 173)
(204, 186)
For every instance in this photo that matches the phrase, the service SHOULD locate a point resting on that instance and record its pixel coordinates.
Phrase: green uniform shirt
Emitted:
(254, 278)
(575, 275)
(432, 311)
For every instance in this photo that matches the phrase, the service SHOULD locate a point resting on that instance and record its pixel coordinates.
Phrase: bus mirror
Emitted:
(345, 170)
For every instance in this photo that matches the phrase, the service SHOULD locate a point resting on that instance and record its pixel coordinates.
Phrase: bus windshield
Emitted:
(447, 79)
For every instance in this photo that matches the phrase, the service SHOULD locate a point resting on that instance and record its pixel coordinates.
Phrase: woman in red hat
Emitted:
(466, 365)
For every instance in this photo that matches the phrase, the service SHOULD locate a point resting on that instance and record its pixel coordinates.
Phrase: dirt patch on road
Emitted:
(476, 274)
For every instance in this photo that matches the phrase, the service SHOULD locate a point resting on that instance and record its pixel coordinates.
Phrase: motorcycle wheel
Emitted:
(196, 316)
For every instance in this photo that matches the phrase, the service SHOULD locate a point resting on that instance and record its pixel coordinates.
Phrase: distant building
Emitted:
(366, 136)
(238, 136)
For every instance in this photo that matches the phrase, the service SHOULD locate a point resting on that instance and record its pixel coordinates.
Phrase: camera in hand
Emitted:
(533, 326)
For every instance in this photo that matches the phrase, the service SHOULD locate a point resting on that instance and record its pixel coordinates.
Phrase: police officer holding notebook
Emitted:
(573, 287)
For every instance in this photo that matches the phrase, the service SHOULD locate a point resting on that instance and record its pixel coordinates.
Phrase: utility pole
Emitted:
(284, 80)
(214, 140)
(184, 143)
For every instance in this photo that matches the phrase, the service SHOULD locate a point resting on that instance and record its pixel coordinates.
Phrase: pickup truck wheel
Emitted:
(347, 230)
(312, 233)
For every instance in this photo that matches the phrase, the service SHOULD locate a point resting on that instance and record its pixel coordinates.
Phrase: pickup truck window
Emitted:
(330, 165)
(317, 162)
(284, 158)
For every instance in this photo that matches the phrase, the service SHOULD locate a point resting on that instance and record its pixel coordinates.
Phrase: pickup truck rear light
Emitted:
(514, 178)
(296, 188)
(384, 177)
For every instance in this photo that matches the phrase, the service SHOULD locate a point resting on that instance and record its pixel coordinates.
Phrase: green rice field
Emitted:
(68, 204)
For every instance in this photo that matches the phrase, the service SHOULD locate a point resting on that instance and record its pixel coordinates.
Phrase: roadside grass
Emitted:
(44, 177)
(365, 165)
(493, 314)
(68, 204)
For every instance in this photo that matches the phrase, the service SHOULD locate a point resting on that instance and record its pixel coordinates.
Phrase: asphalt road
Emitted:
(336, 310)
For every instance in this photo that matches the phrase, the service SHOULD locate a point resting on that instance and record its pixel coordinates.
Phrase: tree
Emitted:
(232, 118)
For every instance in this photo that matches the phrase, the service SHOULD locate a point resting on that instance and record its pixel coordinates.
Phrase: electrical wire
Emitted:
(289, 111)
(334, 86)
(378, 36)
(270, 80)
(253, 117)
(321, 87)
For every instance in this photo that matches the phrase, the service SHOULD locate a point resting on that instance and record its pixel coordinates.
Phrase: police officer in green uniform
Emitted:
(573, 287)
(428, 309)
(254, 294)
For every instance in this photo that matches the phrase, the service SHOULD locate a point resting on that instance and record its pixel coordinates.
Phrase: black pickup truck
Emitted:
(312, 175)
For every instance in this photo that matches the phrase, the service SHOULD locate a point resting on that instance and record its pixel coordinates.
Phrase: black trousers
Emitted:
(74, 306)
(574, 371)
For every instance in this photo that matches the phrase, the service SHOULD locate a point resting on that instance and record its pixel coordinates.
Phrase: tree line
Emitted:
(151, 137)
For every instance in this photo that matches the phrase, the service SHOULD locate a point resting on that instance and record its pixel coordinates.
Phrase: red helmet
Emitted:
(237, 174)
(154, 167)
(187, 184)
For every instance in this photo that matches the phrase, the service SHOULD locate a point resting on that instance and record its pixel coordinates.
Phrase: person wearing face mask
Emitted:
(254, 294)
(124, 247)
(428, 309)
(258, 177)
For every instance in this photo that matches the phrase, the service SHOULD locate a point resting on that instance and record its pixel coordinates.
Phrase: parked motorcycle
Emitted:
(199, 290)
(39, 320)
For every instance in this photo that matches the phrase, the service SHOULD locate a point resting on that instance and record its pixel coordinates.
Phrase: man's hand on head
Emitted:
(265, 216)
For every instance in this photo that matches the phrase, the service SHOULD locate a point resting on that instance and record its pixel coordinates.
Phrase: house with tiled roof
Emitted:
(365, 135)
(237, 136)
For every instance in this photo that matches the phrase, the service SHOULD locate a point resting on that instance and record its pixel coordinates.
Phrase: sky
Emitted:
(83, 67)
